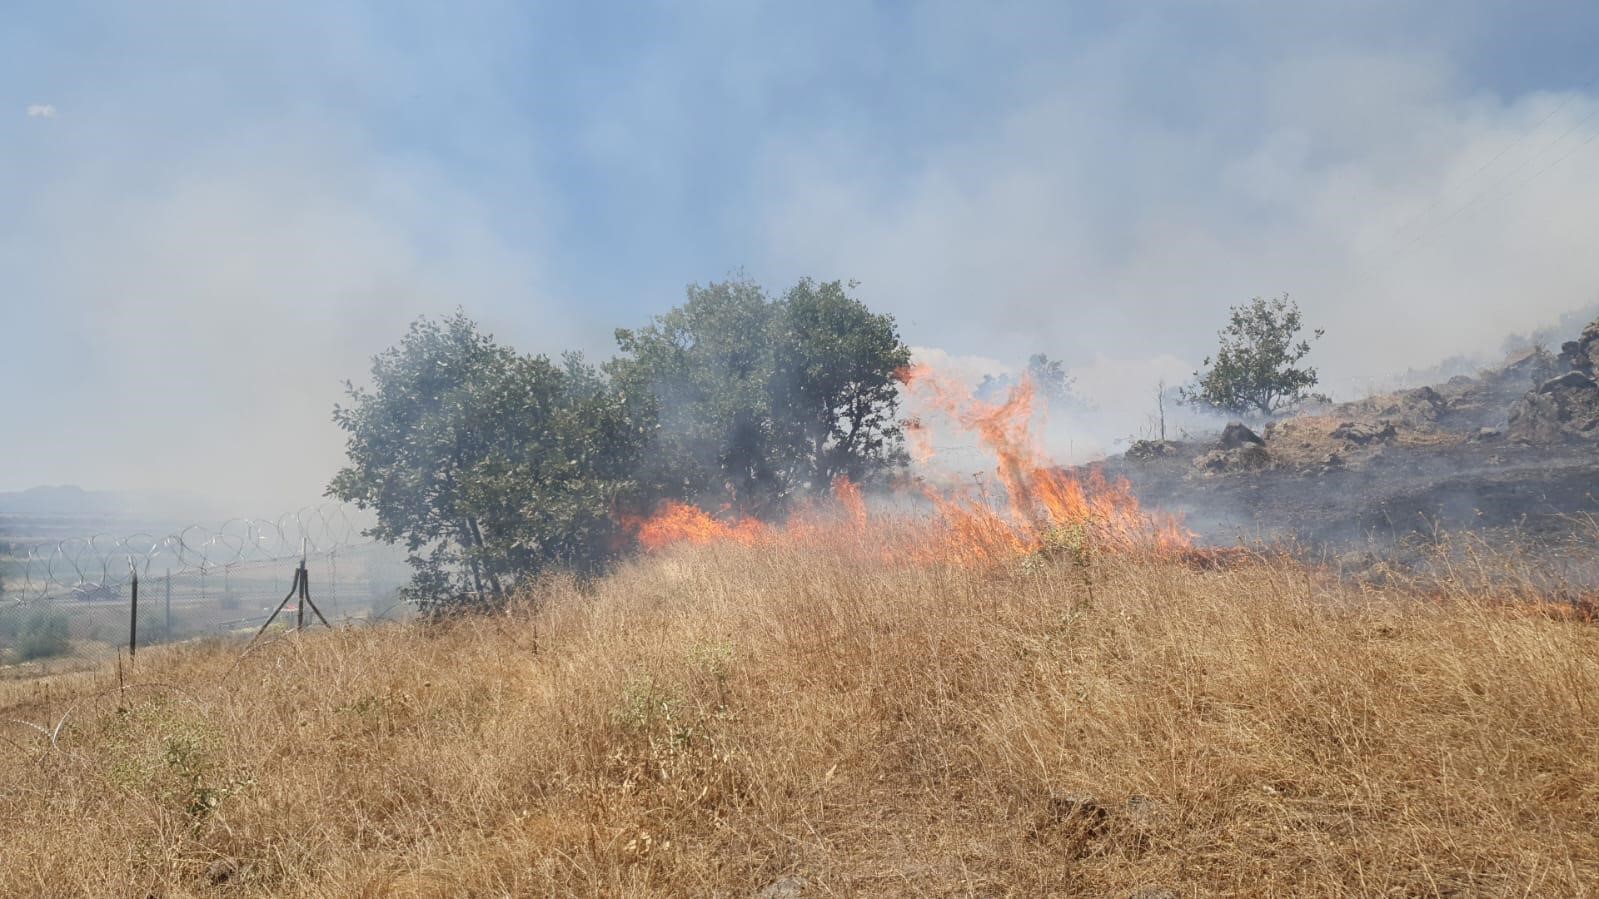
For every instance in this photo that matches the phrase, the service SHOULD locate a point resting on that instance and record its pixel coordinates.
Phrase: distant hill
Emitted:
(68, 501)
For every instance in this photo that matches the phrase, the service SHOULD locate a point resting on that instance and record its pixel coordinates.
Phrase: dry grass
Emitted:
(708, 723)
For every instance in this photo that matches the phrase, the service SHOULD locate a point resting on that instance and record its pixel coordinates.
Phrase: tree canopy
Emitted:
(1048, 377)
(1256, 368)
(487, 464)
(491, 466)
(761, 399)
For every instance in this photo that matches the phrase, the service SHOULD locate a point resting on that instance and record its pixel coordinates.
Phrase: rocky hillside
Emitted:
(1515, 447)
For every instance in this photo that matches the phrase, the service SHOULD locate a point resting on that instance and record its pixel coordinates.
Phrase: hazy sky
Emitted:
(211, 214)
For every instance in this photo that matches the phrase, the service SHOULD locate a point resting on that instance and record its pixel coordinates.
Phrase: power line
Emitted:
(1497, 184)
(1491, 190)
(1513, 144)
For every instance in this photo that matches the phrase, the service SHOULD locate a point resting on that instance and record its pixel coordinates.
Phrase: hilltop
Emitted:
(732, 721)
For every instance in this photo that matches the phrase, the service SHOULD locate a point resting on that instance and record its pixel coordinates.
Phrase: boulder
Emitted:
(1237, 435)
(1416, 408)
(1583, 353)
(1562, 409)
(1535, 419)
(1362, 433)
(1571, 380)
(1248, 457)
(1149, 450)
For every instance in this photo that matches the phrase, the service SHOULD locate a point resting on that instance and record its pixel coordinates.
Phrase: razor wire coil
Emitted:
(86, 566)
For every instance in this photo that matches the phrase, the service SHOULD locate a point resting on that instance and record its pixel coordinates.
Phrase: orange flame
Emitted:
(676, 522)
(1045, 504)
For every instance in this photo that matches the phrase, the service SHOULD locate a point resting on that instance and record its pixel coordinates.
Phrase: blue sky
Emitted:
(210, 214)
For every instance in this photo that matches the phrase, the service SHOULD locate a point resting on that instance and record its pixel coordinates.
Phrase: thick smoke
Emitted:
(230, 210)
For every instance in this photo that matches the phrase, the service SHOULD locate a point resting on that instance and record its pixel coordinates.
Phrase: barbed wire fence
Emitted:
(70, 602)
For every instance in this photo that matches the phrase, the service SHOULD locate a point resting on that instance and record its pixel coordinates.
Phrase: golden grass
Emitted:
(709, 723)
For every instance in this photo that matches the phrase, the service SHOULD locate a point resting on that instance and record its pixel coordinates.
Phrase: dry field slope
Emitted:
(734, 723)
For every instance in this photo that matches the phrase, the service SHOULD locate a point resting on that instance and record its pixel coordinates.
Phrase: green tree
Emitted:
(489, 465)
(760, 399)
(1048, 376)
(835, 385)
(1256, 369)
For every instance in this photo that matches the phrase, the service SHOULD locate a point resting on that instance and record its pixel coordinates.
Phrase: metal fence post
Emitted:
(168, 630)
(333, 580)
(133, 613)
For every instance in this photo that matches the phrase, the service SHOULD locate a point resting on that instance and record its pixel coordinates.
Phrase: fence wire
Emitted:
(88, 566)
(70, 601)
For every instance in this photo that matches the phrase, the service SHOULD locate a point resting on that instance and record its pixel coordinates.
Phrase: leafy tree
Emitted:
(835, 388)
(487, 464)
(705, 365)
(1048, 376)
(760, 399)
(1256, 369)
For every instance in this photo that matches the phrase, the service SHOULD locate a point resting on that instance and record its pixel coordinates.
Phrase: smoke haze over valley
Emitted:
(212, 216)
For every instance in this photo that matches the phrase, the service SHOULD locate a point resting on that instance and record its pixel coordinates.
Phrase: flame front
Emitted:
(676, 522)
(1044, 505)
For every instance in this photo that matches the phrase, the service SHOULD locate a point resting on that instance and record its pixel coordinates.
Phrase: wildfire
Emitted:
(1044, 506)
(676, 522)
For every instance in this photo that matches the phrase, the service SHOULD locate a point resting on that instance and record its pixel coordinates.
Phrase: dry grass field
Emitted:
(732, 721)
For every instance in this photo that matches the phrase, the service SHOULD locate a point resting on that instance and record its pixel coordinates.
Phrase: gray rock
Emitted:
(1245, 458)
(1571, 380)
(1535, 419)
(1237, 435)
(1582, 353)
(788, 887)
(1148, 450)
(1362, 433)
(1417, 408)
(1565, 408)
